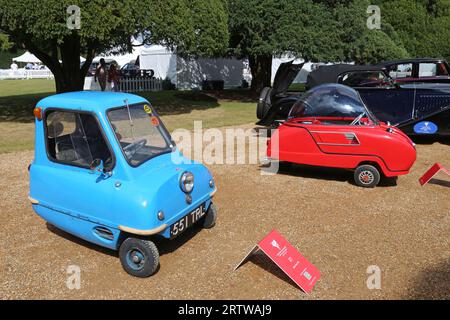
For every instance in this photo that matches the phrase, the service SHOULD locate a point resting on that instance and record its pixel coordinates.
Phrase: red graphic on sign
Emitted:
(432, 172)
(285, 256)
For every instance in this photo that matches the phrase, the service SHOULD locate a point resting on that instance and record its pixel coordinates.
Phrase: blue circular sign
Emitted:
(425, 127)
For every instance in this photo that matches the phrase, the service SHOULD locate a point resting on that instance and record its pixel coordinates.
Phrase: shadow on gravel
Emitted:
(81, 242)
(432, 283)
(261, 260)
(431, 140)
(165, 246)
(328, 174)
(440, 182)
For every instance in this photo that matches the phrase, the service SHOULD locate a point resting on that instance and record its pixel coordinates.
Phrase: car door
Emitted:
(73, 141)
(431, 98)
(336, 139)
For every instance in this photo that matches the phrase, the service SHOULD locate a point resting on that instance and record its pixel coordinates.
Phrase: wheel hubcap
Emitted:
(366, 177)
(135, 259)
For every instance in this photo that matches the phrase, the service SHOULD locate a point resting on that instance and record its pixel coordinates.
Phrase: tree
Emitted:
(193, 27)
(260, 29)
(423, 26)
(315, 30)
(5, 44)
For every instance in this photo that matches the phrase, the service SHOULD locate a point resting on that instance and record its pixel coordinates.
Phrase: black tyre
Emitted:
(367, 176)
(211, 217)
(264, 103)
(140, 258)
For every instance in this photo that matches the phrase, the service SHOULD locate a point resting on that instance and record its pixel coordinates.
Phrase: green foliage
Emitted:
(376, 46)
(5, 44)
(198, 26)
(314, 30)
(266, 27)
(194, 27)
(423, 26)
(337, 30)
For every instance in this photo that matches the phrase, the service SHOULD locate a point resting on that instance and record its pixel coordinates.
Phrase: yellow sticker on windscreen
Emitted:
(147, 109)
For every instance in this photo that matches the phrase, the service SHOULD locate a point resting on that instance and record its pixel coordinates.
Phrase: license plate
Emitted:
(187, 221)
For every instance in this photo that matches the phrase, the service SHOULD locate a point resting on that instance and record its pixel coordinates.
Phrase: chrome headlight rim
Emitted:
(187, 182)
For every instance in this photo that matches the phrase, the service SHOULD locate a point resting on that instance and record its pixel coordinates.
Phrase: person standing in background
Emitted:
(101, 74)
(13, 66)
(114, 77)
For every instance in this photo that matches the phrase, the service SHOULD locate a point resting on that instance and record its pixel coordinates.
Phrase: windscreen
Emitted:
(330, 100)
(140, 133)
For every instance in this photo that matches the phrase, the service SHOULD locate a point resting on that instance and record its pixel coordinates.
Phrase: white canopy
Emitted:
(188, 73)
(27, 57)
(161, 60)
(123, 59)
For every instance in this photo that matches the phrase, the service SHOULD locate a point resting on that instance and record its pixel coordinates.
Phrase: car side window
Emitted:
(432, 70)
(75, 139)
(366, 79)
(400, 71)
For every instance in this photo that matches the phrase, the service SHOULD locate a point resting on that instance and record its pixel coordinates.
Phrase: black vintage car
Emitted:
(418, 108)
(418, 70)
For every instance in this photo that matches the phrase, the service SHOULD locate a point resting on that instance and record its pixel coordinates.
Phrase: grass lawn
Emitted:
(178, 109)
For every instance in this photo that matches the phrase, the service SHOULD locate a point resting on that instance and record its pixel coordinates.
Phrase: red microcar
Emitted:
(330, 126)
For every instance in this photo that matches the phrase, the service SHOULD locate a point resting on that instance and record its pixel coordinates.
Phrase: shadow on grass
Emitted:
(19, 108)
(179, 102)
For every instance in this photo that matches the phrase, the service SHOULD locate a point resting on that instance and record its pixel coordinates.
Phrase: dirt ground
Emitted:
(339, 227)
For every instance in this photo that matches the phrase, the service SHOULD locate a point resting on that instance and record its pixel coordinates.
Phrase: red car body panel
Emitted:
(311, 142)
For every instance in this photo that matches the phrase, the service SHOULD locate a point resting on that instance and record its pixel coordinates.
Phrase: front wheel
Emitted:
(211, 217)
(140, 258)
(367, 176)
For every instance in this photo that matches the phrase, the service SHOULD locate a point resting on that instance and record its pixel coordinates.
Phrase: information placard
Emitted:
(288, 259)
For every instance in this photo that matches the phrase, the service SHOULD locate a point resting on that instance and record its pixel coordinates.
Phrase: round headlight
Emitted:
(187, 182)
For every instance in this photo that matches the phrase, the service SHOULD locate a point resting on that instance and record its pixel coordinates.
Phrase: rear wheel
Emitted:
(139, 257)
(367, 176)
(264, 103)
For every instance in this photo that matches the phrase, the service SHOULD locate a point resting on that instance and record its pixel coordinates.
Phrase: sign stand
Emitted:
(288, 259)
(432, 172)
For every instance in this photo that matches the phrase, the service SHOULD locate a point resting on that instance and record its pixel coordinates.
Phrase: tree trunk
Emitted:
(72, 80)
(69, 75)
(261, 68)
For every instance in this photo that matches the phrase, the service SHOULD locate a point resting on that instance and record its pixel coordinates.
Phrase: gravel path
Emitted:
(339, 227)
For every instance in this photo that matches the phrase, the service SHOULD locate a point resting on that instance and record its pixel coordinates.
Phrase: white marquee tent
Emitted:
(27, 57)
(189, 73)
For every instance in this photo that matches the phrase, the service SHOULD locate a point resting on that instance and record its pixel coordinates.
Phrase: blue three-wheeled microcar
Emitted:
(106, 170)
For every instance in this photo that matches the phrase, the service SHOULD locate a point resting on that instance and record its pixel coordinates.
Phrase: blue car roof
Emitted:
(94, 101)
